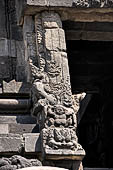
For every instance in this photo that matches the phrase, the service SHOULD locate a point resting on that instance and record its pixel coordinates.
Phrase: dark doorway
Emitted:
(91, 66)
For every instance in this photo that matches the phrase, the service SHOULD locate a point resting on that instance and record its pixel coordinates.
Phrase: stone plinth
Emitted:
(64, 154)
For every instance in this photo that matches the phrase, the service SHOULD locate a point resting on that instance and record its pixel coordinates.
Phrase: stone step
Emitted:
(23, 128)
(85, 168)
(15, 143)
(17, 118)
(43, 168)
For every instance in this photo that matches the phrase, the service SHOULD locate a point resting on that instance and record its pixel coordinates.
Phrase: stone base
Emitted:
(64, 154)
(43, 168)
(68, 164)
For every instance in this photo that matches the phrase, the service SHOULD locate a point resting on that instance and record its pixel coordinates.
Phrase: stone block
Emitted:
(48, 40)
(55, 40)
(2, 19)
(23, 128)
(52, 20)
(12, 49)
(4, 66)
(17, 118)
(63, 3)
(4, 129)
(32, 142)
(0, 90)
(37, 3)
(14, 105)
(3, 47)
(20, 53)
(10, 143)
(20, 73)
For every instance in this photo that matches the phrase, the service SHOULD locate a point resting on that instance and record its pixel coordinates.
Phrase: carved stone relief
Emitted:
(51, 90)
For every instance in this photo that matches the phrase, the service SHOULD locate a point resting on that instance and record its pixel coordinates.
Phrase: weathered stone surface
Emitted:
(76, 11)
(57, 36)
(14, 105)
(5, 61)
(23, 128)
(4, 129)
(32, 142)
(20, 53)
(4, 47)
(5, 64)
(68, 7)
(12, 48)
(16, 162)
(29, 44)
(49, 21)
(51, 93)
(64, 3)
(69, 3)
(16, 87)
(89, 35)
(17, 118)
(10, 143)
(43, 168)
(2, 19)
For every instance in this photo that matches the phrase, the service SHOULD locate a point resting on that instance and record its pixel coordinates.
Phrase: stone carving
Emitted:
(77, 98)
(53, 108)
(93, 3)
(81, 3)
(51, 90)
(60, 138)
(17, 162)
(54, 98)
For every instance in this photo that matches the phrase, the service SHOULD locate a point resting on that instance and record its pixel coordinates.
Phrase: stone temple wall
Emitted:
(38, 114)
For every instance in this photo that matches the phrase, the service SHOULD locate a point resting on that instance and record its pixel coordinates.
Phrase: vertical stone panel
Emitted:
(29, 44)
(2, 19)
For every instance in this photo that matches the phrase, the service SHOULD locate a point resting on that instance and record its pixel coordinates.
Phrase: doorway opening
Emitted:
(91, 67)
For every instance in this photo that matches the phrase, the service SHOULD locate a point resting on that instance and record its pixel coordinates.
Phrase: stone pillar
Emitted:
(51, 91)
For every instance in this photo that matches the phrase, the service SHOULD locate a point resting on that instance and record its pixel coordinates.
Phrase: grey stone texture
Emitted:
(17, 162)
(4, 129)
(18, 142)
(43, 168)
(68, 3)
(51, 90)
(3, 32)
(22, 128)
(10, 143)
(32, 142)
(9, 118)
(16, 87)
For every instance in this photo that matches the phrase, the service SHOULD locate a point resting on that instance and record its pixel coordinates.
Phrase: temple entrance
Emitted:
(91, 67)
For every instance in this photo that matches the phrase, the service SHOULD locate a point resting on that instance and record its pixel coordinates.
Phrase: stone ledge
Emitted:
(17, 118)
(67, 3)
(74, 10)
(65, 154)
(43, 168)
(15, 143)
